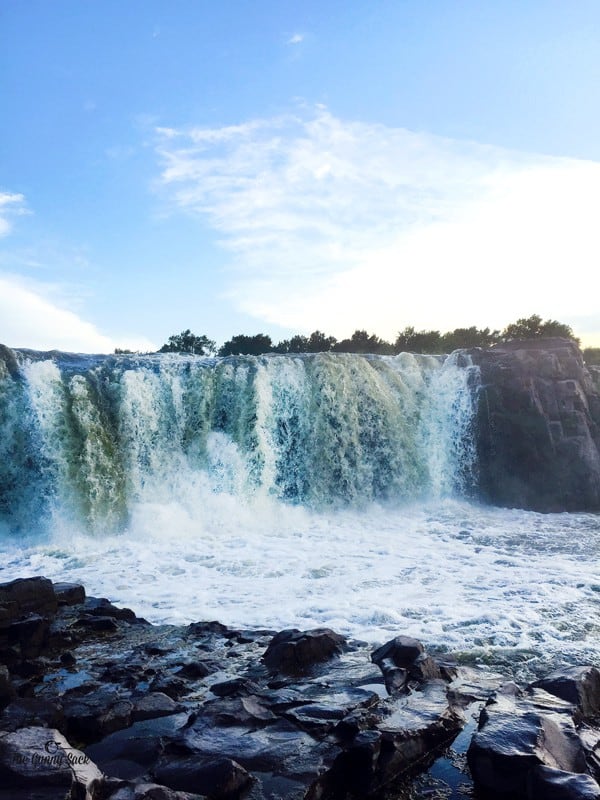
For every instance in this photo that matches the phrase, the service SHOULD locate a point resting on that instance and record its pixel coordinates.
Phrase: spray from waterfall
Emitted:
(85, 440)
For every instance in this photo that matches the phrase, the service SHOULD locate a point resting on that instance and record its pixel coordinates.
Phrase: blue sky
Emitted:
(278, 167)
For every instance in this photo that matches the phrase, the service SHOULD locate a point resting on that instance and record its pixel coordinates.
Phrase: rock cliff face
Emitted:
(538, 426)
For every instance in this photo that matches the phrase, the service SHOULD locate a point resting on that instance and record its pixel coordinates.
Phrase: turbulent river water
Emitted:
(286, 491)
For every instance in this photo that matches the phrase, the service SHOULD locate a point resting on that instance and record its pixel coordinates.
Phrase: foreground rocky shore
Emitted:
(97, 704)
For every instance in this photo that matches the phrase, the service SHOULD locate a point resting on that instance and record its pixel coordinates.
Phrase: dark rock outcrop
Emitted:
(220, 778)
(7, 691)
(265, 716)
(268, 715)
(538, 426)
(404, 659)
(293, 651)
(27, 595)
(577, 685)
(69, 594)
(539, 743)
(35, 758)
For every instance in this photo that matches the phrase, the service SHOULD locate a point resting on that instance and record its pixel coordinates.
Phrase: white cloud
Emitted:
(28, 319)
(337, 225)
(296, 38)
(10, 205)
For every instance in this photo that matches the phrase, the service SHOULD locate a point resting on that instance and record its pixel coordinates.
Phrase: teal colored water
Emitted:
(86, 438)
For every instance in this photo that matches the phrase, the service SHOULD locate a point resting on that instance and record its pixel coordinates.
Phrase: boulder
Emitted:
(293, 652)
(24, 712)
(234, 687)
(169, 684)
(328, 710)
(69, 594)
(132, 752)
(30, 634)
(402, 650)
(577, 685)
(98, 624)
(518, 734)
(194, 670)
(403, 659)
(116, 789)
(220, 778)
(35, 757)
(554, 784)
(25, 596)
(154, 704)
(101, 607)
(248, 710)
(95, 714)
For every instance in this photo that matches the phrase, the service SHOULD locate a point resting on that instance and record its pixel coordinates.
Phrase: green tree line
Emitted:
(408, 340)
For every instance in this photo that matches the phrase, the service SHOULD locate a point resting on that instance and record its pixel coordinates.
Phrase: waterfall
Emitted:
(83, 439)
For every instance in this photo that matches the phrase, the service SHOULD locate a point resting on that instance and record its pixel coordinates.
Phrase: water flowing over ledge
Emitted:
(87, 439)
(337, 490)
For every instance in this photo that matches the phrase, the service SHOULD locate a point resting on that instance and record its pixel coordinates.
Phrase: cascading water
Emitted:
(319, 490)
(87, 438)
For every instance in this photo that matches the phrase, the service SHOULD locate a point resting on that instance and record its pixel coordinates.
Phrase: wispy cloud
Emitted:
(11, 205)
(295, 38)
(28, 318)
(39, 315)
(337, 224)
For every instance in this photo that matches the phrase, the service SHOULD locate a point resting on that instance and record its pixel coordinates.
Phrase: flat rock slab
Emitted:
(280, 749)
(154, 704)
(553, 784)
(116, 789)
(525, 739)
(220, 778)
(131, 752)
(42, 757)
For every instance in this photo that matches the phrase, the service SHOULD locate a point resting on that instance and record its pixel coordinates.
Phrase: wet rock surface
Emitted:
(132, 711)
(537, 744)
(538, 426)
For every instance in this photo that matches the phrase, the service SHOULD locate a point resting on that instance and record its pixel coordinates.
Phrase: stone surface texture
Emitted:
(538, 426)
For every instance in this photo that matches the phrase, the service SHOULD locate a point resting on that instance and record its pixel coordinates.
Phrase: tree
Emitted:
(362, 342)
(187, 342)
(591, 356)
(297, 344)
(533, 328)
(469, 337)
(411, 341)
(317, 342)
(247, 345)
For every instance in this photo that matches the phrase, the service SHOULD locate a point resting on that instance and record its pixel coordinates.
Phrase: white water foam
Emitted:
(181, 470)
(454, 574)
